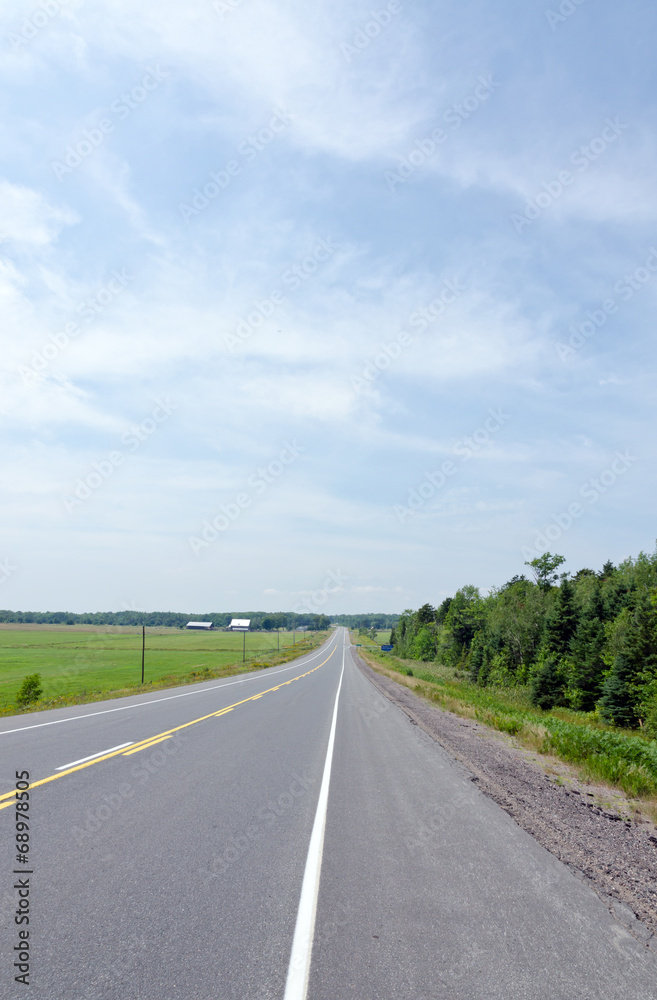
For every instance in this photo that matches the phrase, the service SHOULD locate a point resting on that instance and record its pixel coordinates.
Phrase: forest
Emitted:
(173, 619)
(586, 641)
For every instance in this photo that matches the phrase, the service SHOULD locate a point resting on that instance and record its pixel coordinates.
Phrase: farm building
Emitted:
(200, 625)
(239, 625)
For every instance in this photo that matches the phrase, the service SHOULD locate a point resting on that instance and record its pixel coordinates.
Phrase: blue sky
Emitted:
(295, 293)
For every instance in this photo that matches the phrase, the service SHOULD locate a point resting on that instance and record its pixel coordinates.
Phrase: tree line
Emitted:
(172, 619)
(586, 641)
(369, 621)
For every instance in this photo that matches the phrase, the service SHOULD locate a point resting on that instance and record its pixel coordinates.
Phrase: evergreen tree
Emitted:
(619, 595)
(617, 704)
(426, 615)
(547, 685)
(561, 624)
(441, 613)
(586, 648)
(643, 640)
(607, 570)
(486, 664)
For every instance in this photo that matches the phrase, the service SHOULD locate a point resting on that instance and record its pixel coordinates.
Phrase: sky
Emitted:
(322, 306)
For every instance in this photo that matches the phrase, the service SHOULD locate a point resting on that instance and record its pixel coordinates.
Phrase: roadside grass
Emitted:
(620, 758)
(81, 667)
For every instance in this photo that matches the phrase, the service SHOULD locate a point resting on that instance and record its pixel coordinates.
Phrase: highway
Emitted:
(280, 835)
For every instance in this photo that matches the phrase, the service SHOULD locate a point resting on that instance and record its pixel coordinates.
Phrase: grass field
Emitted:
(365, 640)
(79, 663)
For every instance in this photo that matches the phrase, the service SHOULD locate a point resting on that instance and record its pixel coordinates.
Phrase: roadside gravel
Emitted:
(591, 828)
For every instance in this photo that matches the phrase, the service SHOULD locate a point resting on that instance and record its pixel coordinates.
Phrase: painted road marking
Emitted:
(155, 701)
(296, 986)
(145, 746)
(35, 784)
(91, 756)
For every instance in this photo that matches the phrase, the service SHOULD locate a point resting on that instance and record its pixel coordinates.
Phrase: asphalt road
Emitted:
(279, 839)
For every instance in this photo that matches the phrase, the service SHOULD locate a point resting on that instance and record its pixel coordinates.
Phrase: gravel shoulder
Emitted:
(591, 828)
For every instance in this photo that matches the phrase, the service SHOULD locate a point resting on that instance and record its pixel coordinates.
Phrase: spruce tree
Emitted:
(561, 624)
(617, 703)
(642, 645)
(586, 648)
(547, 685)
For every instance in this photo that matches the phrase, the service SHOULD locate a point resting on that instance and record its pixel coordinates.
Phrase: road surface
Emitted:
(289, 834)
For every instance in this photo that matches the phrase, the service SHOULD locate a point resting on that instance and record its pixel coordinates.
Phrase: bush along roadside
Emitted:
(585, 641)
(627, 760)
(306, 645)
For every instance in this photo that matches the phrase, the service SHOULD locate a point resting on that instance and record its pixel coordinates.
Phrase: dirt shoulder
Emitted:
(591, 828)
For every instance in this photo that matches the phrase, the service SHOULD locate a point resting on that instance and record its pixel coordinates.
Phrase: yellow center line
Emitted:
(142, 744)
(145, 746)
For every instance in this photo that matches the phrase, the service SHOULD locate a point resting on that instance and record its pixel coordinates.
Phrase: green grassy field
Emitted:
(75, 662)
(366, 641)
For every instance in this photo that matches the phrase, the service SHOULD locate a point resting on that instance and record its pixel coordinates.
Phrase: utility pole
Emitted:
(143, 650)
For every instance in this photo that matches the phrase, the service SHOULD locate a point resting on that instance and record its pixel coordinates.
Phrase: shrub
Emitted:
(30, 690)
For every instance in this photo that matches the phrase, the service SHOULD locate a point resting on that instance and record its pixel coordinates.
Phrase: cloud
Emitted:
(27, 219)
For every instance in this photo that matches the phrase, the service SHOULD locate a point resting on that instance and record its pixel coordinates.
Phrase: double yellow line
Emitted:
(8, 798)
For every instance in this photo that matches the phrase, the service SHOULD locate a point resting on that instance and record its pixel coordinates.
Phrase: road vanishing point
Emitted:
(284, 835)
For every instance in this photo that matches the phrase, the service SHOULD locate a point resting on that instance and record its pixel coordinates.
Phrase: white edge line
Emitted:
(298, 971)
(156, 701)
(91, 756)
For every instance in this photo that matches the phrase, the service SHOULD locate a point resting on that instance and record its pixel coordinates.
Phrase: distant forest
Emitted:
(175, 619)
(585, 641)
(366, 621)
(259, 619)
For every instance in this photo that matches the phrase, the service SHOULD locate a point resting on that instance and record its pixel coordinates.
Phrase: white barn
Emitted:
(200, 625)
(240, 625)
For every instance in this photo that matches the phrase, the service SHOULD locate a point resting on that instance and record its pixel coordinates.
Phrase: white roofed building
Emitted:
(203, 626)
(240, 625)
